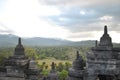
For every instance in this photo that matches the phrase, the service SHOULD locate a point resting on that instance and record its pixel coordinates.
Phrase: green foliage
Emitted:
(45, 72)
(38, 53)
(64, 66)
(63, 75)
(62, 56)
(60, 66)
(67, 65)
(46, 66)
(4, 53)
(60, 53)
(31, 52)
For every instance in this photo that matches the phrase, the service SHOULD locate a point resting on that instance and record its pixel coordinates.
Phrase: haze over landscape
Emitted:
(74, 20)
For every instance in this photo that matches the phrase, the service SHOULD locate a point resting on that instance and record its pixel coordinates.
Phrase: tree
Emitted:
(45, 72)
(60, 66)
(63, 75)
(67, 65)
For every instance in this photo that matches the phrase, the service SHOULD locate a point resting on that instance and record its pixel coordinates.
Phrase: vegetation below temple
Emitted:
(48, 52)
(59, 53)
(63, 57)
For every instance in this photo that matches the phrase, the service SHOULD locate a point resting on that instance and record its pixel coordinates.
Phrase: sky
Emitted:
(74, 20)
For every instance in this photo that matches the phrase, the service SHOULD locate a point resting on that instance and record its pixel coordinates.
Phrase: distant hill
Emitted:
(11, 40)
(88, 43)
(8, 40)
(38, 41)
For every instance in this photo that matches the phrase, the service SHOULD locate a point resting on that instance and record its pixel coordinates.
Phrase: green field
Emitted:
(47, 54)
(49, 62)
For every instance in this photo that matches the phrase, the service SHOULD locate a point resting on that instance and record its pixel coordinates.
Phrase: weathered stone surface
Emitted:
(77, 71)
(103, 62)
(53, 75)
(19, 66)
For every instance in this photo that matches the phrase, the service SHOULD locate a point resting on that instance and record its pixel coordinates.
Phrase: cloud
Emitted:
(26, 19)
(81, 17)
(85, 36)
(106, 18)
(79, 3)
(81, 35)
(70, 19)
(85, 13)
(91, 19)
(5, 29)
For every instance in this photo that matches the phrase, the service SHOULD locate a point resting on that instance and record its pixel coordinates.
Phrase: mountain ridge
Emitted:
(11, 40)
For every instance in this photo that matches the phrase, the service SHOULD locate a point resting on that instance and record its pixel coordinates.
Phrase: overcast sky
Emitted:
(74, 20)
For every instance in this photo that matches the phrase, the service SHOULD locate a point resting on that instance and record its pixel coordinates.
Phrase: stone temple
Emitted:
(19, 66)
(77, 71)
(53, 75)
(102, 62)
